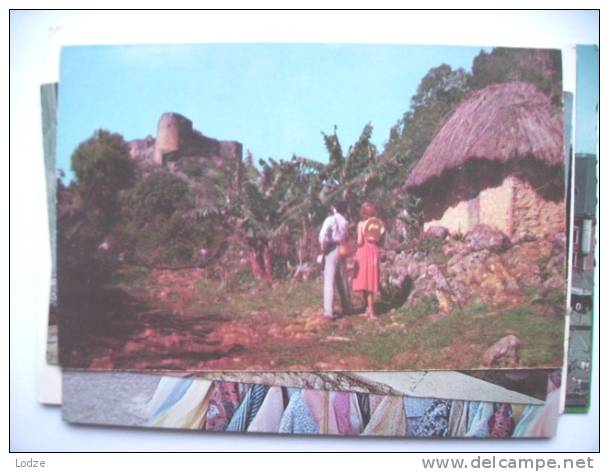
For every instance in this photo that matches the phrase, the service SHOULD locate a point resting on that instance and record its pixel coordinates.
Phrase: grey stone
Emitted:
(504, 353)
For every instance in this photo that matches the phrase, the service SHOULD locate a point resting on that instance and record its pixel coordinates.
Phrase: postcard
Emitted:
(583, 233)
(289, 208)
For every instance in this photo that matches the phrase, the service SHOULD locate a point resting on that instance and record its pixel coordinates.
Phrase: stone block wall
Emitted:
(173, 132)
(513, 207)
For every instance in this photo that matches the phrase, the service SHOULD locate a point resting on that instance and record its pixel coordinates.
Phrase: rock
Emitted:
(437, 232)
(482, 276)
(504, 353)
(521, 261)
(486, 237)
(555, 265)
(444, 303)
(559, 241)
(454, 247)
(555, 282)
(431, 280)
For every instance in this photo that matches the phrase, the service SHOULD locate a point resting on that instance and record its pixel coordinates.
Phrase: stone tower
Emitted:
(173, 131)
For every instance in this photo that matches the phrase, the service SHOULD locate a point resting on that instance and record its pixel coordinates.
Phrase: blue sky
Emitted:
(274, 98)
(586, 100)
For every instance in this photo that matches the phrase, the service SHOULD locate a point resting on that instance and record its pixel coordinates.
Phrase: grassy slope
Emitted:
(403, 338)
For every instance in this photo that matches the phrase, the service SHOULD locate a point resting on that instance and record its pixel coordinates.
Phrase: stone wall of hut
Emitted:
(533, 215)
(492, 206)
(513, 207)
(456, 218)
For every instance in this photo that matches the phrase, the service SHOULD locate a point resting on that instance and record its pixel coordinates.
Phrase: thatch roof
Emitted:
(501, 122)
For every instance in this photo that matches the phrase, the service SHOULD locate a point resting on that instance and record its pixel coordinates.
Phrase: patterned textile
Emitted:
(248, 408)
(345, 408)
(297, 417)
(415, 408)
(434, 422)
(224, 400)
(341, 406)
(191, 403)
(501, 423)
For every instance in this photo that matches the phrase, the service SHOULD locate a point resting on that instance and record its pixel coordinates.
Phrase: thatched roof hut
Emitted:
(498, 123)
(504, 130)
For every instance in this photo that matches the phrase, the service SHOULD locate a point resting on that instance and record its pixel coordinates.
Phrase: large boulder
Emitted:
(430, 281)
(482, 276)
(437, 232)
(399, 270)
(486, 237)
(504, 353)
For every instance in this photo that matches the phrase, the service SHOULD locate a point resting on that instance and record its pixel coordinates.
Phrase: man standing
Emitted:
(334, 231)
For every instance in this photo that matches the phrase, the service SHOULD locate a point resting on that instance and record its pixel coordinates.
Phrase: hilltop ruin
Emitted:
(180, 147)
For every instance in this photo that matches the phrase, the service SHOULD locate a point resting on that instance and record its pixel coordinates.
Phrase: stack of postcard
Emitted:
(322, 239)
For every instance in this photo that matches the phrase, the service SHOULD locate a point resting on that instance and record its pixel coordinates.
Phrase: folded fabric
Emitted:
(415, 408)
(268, 417)
(345, 408)
(457, 419)
(224, 400)
(363, 401)
(434, 421)
(501, 423)
(168, 391)
(388, 418)
(297, 417)
(193, 403)
(479, 416)
(539, 421)
(185, 403)
(248, 408)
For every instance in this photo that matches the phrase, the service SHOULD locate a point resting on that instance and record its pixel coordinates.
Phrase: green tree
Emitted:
(278, 205)
(163, 225)
(540, 66)
(349, 176)
(439, 91)
(103, 168)
(158, 196)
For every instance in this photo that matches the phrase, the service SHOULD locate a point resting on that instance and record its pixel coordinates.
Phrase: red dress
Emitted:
(367, 268)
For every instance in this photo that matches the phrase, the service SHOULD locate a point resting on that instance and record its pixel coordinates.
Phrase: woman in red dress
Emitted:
(367, 264)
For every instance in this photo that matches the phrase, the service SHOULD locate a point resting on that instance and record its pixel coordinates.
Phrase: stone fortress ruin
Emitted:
(177, 141)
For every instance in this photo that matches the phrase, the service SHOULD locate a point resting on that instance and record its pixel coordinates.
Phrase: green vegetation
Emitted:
(409, 337)
(427, 306)
(282, 299)
(103, 168)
